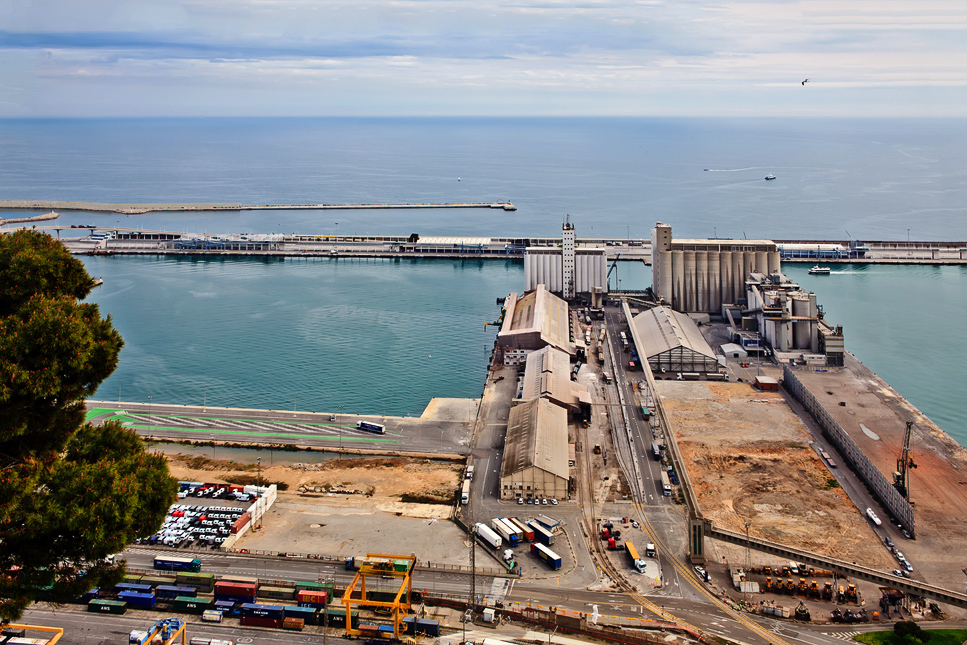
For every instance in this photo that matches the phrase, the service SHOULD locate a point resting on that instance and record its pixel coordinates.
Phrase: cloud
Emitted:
(550, 56)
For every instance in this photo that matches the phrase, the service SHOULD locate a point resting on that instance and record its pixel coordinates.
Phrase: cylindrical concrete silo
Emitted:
(775, 264)
(701, 281)
(726, 287)
(666, 277)
(714, 282)
(762, 262)
(800, 329)
(690, 299)
(678, 280)
(748, 264)
(738, 275)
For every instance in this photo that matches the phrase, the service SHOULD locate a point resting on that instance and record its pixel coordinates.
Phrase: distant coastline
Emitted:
(139, 209)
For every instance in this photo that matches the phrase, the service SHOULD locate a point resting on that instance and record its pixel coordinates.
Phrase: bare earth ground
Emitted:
(749, 459)
(374, 521)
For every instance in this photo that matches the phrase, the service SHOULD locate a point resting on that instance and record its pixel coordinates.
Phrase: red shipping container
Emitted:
(315, 597)
(235, 588)
(257, 621)
(240, 523)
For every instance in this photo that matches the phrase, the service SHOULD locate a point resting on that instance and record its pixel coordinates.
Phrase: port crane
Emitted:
(903, 464)
(168, 629)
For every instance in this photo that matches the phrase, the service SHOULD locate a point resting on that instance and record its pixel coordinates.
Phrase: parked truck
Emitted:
(505, 531)
(465, 493)
(636, 562)
(488, 535)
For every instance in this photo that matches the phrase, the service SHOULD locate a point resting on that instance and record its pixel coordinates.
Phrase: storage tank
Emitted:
(738, 275)
(678, 280)
(690, 300)
(714, 283)
(701, 281)
(665, 279)
(775, 264)
(800, 329)
(762, 262)
(748, 263)
(725, 277)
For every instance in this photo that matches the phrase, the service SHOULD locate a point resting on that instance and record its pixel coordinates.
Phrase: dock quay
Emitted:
(140, 209)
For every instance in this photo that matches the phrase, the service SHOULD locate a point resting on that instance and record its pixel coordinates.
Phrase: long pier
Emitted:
(139, 209)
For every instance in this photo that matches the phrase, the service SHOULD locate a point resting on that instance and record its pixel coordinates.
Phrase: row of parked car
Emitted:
(196, 526)
(905, 567)
(213, 491)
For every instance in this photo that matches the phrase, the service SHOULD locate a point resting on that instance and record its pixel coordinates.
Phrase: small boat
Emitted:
(770, 177)
(818, 270)
(98, 282)
(333, 253)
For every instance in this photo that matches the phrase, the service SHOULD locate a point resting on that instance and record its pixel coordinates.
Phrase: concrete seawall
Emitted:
(138, 209)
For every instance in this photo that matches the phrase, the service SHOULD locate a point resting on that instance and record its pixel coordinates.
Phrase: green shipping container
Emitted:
(203, 582)
(154, 581)
(337, 617)
(277, 593)
(191, 605)
(401, 565)
(132, 578)
(107, 606)
(316, 586)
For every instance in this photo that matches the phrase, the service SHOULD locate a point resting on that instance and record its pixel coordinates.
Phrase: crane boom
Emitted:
(903, 464)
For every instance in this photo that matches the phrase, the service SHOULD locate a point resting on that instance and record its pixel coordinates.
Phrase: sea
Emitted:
(383, 336)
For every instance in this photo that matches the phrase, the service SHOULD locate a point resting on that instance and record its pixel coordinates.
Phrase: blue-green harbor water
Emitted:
(385, 337)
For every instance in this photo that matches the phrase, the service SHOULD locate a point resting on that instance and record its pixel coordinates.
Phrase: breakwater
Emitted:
(137, 209)
(27, 220)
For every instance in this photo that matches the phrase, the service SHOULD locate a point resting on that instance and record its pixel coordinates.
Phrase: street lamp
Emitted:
(748, 552)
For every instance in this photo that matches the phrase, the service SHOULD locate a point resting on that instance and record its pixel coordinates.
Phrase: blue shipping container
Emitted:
(227, 607)
(308, 614)
(135, 599)
(130, 586)
(240, 600)
(165, 592)
(258, 610)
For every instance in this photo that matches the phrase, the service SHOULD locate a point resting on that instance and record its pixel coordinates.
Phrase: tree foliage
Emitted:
(70, 493)
(904, 628)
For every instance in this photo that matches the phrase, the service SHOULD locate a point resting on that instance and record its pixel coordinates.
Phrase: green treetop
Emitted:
(70, 493)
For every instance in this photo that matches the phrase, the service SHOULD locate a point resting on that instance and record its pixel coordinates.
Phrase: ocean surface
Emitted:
(385, 337)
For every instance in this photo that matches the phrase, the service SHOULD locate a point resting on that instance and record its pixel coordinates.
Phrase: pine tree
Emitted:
(70, 493)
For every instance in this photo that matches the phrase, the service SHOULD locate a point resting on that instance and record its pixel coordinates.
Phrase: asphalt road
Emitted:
(229, 425)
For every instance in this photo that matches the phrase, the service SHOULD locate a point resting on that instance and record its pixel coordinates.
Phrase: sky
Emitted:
(882, 58)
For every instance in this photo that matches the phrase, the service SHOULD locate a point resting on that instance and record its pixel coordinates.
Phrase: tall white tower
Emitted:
(567, 259)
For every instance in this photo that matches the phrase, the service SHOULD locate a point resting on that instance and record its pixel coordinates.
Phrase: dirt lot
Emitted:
(749, 459)
(374, 519)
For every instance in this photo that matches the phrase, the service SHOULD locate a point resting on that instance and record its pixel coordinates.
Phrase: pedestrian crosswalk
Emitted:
(843, 636)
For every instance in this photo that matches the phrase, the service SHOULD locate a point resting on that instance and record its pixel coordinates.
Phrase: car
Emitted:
(635, 524)
(899, 556)
(888, 541)
(906, 565)
(553, 501)
(906, 534)
(906, 574)
(544, 501)
(701, 573)
(520, 500)
(898, 573)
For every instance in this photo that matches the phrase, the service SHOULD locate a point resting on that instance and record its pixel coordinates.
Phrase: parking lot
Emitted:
(187, 525)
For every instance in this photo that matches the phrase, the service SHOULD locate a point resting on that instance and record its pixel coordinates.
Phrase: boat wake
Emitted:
(728, 169)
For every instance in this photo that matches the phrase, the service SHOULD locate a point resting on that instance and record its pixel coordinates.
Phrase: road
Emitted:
(334, 431)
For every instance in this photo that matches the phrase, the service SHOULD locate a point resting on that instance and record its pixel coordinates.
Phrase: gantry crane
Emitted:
(168, 629)
(903, 464)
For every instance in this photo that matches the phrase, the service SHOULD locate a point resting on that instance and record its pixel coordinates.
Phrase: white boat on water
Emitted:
(98, 282)
(818, 270)
(770, 177)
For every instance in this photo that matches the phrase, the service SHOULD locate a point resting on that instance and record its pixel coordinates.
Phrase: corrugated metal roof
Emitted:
(536, 437)
(661, 329)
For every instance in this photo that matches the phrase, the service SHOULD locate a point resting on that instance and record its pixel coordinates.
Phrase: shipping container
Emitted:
(308, 614)
(314, 586)
(88, 596)
(130, 586)
(132, 578)
(192, 605)
(168, 592)
(107, 606)
(154, 581)
(227, 607)
(295, 624)
(235, 591)
(552, 559)
(203, 582)
(135, 599)
(337, 617)
(21, 640)
(262, 610)
(211, 616)
(277, 593)
(313, 598)
(258, 621)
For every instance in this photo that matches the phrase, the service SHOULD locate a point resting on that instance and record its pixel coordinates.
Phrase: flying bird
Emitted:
(805, 81)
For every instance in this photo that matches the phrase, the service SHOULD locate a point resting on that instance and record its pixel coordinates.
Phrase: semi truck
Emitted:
(541, 534)
(371, 427)
(552, 559)
(177, 564)
(526, 530)
(636, 562)
(510, 524)
(655, 451)
(489, 536)
(650, 551)
(504, 531)
(465, 494)
(666, 487)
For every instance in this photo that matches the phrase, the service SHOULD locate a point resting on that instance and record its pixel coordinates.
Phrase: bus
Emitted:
(666, 487)
(655, 451)
(177, 564)
(371, 427)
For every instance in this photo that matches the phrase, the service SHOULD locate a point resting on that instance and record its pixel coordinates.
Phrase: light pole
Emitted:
(748, 551)
(258, 501)
(149, 406)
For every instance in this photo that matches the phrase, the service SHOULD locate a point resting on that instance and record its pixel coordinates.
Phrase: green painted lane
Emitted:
(210, 431)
